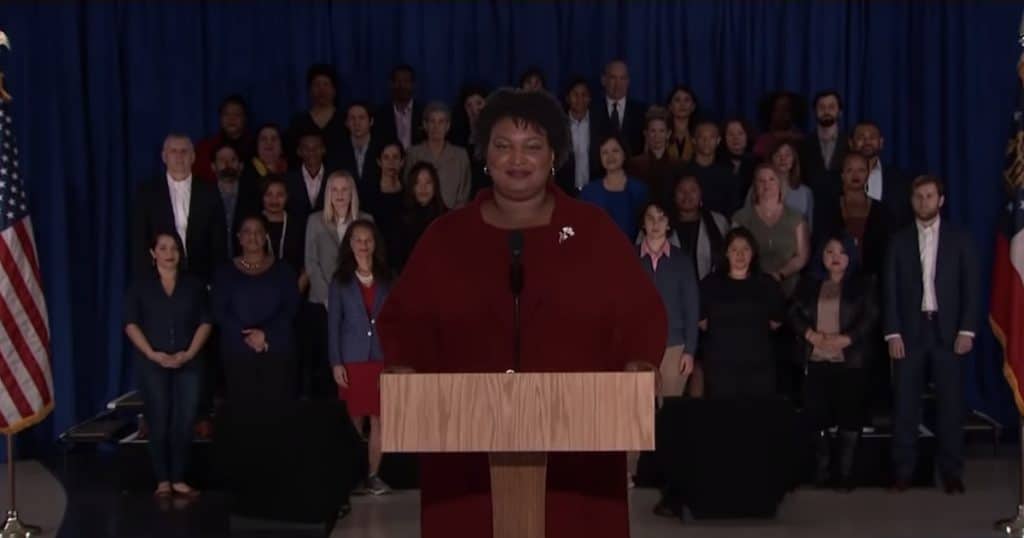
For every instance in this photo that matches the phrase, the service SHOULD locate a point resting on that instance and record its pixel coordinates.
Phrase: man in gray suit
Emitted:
(931, 283)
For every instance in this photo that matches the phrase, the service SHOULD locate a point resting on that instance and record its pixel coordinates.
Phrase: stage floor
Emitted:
(96, 508)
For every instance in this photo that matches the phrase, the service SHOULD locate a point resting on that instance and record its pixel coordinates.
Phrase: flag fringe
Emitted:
(1011, 377)
(29, 421)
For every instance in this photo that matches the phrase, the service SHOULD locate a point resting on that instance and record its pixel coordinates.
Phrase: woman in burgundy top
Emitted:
(586, 306)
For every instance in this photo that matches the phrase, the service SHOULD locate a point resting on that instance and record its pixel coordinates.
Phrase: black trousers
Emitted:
(835, 395)
(928, 351)
(316, 382)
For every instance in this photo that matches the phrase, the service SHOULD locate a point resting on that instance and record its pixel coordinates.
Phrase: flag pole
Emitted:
(13, 526)
(1015, 525)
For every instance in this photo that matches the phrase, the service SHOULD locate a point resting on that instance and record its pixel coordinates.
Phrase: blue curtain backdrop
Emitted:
(97, 85)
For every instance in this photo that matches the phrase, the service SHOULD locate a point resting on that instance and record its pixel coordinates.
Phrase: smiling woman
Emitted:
(583, 309)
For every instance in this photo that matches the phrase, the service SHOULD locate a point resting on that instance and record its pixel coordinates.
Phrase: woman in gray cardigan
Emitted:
(324, 231)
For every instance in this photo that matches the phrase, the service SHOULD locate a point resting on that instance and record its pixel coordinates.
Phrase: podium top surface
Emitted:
(518, 412)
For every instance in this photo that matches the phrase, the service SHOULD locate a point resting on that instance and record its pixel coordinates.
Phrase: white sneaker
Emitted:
(376, 486)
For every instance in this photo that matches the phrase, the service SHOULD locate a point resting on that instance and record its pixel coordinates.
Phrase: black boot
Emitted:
(847, 455)
(822, 459)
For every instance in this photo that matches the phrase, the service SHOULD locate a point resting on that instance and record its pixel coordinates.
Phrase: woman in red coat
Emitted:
(586, 305)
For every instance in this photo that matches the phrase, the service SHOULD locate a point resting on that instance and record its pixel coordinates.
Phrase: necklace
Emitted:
(250, 266)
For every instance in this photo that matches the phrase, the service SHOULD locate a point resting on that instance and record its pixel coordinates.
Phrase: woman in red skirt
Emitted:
(356, 296)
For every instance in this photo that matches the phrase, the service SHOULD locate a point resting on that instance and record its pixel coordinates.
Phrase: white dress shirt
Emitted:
(581, 149)
(313, 183)
(181, 197)
(928, 248)
(360, 153)
(403, 124)
(875, 181)
(928, 245)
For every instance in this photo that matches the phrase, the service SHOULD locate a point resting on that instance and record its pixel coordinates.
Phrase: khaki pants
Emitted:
(673, 384)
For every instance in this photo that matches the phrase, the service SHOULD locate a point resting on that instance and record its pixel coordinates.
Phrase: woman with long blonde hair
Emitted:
(324, 231)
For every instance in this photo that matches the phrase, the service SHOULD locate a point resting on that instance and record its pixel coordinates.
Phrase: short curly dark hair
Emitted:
(534, 109)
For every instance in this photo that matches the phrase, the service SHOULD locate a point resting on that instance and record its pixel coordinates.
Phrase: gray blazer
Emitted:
(322, 249)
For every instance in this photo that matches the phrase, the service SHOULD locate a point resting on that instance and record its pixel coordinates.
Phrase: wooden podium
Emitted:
(518, 418)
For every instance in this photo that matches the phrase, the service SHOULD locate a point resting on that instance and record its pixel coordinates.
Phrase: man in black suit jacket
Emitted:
(822, 153)
(306, 185)
(239, 194)
(359, 153)
(401, 120)
(887, 184)
(584, 163)
(188, 208)
(931, 283)
(616, 113)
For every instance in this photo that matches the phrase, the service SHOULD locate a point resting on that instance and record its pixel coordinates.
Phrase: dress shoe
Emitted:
(899, 486)
(953, 486)
(663, 509)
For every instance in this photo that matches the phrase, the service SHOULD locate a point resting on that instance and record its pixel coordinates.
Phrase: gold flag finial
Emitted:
(4, 42)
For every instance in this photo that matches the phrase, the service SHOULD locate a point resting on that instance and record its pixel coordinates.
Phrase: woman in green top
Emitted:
(781, 233)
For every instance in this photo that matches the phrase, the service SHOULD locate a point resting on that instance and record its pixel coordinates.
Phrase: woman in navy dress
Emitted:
(254, 301)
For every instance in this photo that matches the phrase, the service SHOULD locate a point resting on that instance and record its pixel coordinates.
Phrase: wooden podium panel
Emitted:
(518, 412)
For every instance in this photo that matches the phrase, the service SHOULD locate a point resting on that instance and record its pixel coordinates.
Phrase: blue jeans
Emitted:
(171, 405)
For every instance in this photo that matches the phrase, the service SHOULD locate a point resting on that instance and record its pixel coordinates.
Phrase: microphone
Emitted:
(515, 277)
(515, 283)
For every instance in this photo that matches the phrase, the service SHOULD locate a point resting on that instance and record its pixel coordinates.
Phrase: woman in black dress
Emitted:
(423, 204)
(254, 301)
(286, 237)
(740, 309)
(384, 198)
(167, 320)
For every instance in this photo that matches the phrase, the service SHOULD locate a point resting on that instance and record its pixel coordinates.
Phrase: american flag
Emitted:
(1007, 306)
(26, 396)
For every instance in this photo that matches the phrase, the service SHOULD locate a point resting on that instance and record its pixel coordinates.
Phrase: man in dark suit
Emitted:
(616, 113)
(931, 284)
(306, 184)
(887, 184)
(359, 153)
(239, 197)
(401, 120)
(822, 153)
(188, 208)
(583, 164)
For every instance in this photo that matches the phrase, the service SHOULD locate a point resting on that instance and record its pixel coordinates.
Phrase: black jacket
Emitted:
(206, 235)
(956, 285)
(858, 313)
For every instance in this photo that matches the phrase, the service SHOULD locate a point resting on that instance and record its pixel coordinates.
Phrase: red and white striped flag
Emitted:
(26, 383)
(1006, 312)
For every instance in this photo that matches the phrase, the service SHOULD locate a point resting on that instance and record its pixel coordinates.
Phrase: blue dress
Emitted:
(623, 206)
